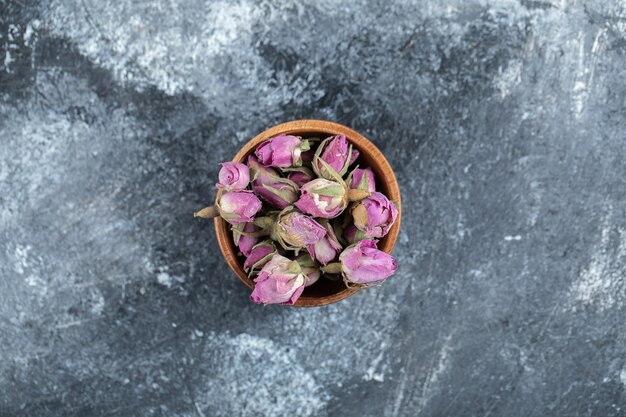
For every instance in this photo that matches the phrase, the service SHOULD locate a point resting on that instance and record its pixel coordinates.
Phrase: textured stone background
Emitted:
(504, 120)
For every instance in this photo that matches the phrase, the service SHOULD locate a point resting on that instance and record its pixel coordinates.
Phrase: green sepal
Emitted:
(304, 170)
(294, 268)
(265, 259)
(306, 261)
(317, 157)
(332, 268)
(358, 236)
(253, 174)
(350, 175)
(285, 195)
(346, 164)
(260, 262)
(331, 191)
(364, 184)
(237, 230)
(334, 175)
(228, 216)
(265, 222)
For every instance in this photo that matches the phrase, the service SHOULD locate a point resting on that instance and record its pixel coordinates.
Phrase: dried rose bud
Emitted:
(294, 230)
(354, 156)
(300, 175)
(282, 151)
(259, 173)
(300, 178)
(352, 235)
(281, 281)
(322, 198)
(362, 179)
(363, 264)
(336, 153)
(374, 215)
(309, 268)
(278, 192)
(233, 176)
(259, 255)
(245, 236)
(326, 249)
(239, 206)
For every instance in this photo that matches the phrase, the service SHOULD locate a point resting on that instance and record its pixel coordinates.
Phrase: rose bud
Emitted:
(374, 215)
(309, 268)
(280, 281)
(294, 230)
(259, 173)
(352, 235)
(363, 264)
(245, 237)
(233, 176)
(238, 206)
(259, 255)
(354, 156)
(300, 178)
(282, 151)
(300, 175)
(336, 153)
(362, 179)
(322, 198)
(326, 249)
(278, 192)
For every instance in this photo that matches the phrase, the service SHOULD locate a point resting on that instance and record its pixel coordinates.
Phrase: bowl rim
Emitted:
(307, 127)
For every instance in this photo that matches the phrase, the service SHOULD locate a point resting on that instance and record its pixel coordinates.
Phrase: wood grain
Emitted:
(324, 291)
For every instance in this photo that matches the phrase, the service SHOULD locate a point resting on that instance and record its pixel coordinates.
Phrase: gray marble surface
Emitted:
(505, 122)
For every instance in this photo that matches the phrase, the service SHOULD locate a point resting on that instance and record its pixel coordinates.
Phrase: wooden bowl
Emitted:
(323, 291)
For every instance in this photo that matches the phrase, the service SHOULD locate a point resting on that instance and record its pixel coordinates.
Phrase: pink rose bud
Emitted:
(259, 255)
(362, 179)
(352, 235)
(295, 230)
(354, 156)
(280, 194)
(244, 241)
(322, 198)
(300, 176)
(326, 249)
(309, 268)
(374, 215)
(266, 183)
(259, 173)
(239, 206)
(281, 281)
(362, 263)
(336, 153)
(282, 151)
(233, 176)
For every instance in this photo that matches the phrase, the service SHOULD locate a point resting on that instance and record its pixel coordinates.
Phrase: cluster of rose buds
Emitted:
(299, 212)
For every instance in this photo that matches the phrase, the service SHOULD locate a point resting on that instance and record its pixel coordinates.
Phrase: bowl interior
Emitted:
(323, 291)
